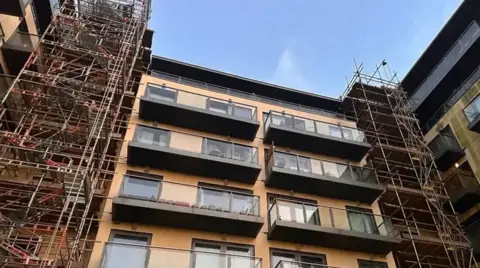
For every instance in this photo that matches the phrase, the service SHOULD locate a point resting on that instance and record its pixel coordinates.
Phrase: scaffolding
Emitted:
(415, 195)
(62, 123)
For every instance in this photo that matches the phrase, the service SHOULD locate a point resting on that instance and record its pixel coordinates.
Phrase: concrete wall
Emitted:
(178, 238)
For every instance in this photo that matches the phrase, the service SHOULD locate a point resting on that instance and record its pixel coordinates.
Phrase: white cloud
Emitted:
(288, 72)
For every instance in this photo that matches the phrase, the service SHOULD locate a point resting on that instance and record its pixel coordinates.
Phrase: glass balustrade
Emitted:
(355, 220)
(195, 144)
(313, 126)
(202, 102)
(472, 110)
(118, 255)
(207, 198)
(297, 264)
(321, 167)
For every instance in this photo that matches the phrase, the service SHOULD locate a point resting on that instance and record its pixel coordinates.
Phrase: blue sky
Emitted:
(304, 44)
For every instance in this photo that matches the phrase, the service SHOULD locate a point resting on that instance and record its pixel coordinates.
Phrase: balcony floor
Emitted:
(323, 185)
(184, 216)
(330, 237)
(191, 163)
(198, 119)
(316, 143)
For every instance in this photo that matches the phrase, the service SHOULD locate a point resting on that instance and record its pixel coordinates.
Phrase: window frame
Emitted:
(362, 261)
(297, 254)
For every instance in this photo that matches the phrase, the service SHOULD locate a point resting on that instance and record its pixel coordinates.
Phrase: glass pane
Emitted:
(244, 112)
(208, 260)
(218, 148)
(299, 123)
(137, 187)
(120, 256)
(335, 131)
(218, 106)
(243, 153)
(311, 261)
(344, 172)
(244, 204)
(151, 136)
(356, 221)
(215, 200)
(286, 258)
(281, 120)
(304, 164)
(237, 261)
(192, 99)
(316, 166)
(165, 94)
(347, 134)
(331, 169)
(286, 161)
(312, 215)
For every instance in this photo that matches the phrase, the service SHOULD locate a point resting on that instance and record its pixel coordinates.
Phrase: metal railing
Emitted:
(314, 126)
(321, 167)
(195, 100)
(297, 264)
(195, 144)
(345, 219)
(209, 198)
(116, 255)
(246, 95)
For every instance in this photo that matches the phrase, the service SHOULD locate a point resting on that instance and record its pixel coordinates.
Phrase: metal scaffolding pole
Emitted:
(415, 195)
(61, 123)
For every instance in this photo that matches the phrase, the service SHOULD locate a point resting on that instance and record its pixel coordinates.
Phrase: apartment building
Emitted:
(224, 176)
(443, 87)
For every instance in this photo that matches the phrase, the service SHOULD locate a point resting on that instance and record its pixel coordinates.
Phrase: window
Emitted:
(221, 255)
(371, 264)
(361, 220)
(136, 187)
(163, 93)
(151, 136)
(289, 259)
(130, 252)
(473, 109)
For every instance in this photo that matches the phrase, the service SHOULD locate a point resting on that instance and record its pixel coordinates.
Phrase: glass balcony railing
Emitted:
(472, 110)
(195, 144)
(458, 182)
(202, 102)
(23, 41)
(443, 143)
(355, 220)
(208, 198)
(296, 264)
(119, 255)
(313, 126)
(321, 167)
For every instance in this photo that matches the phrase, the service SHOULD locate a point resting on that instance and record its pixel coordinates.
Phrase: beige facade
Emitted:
(188, 140)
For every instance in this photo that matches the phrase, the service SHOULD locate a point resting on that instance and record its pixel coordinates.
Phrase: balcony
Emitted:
(194, 111)
(156, 202)
(314, 176)
(315, 136)
(17, 49)
(194, 155)
(350, 229)
(463, 189)
(446, 150)
(14, 7)
(472, 112)
(121, 255)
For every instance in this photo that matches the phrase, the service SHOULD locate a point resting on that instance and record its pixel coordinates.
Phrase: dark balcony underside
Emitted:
(323, 185)
(475, 125)
(196, 118)
(43, 13)
(147, 212)
(316, 143)
(333, 238)
(465, 199)
(448, 158)
(191, 163)
(12, 7)
(14, 58)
